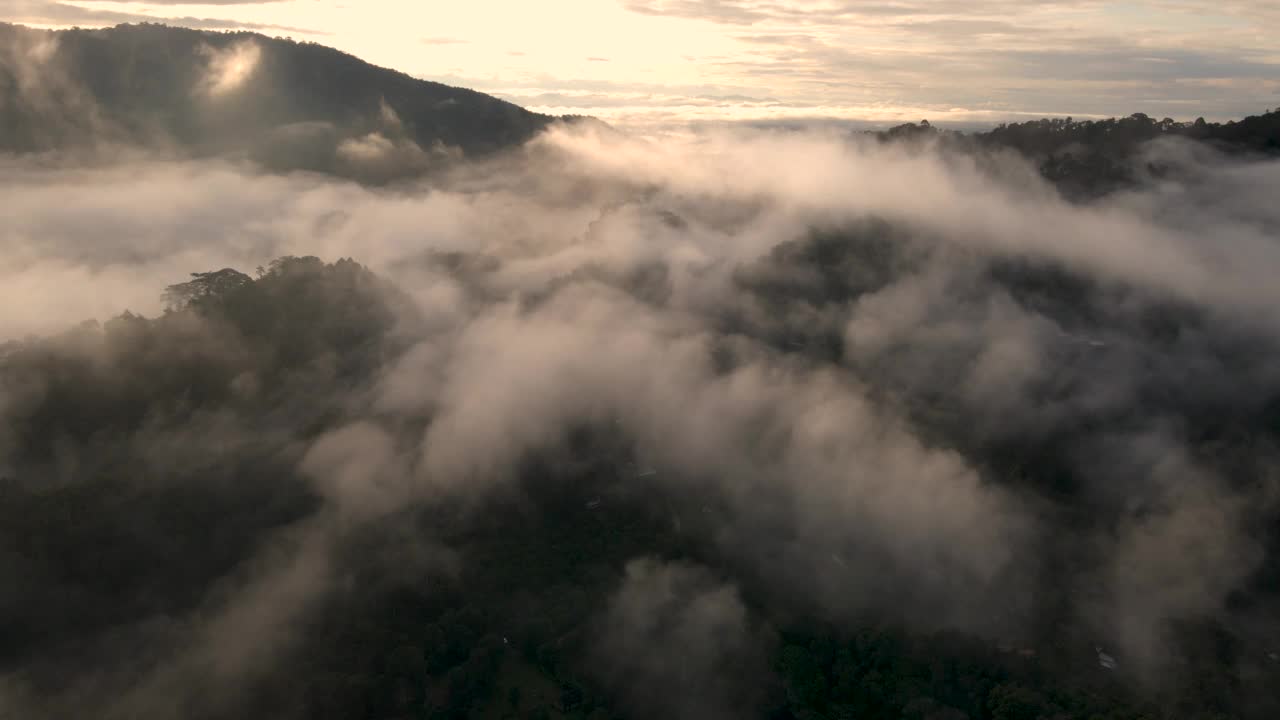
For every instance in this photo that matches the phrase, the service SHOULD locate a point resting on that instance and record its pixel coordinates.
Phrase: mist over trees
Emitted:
(1087, 159)
(779, 425)
(295, 106)
(291, 106)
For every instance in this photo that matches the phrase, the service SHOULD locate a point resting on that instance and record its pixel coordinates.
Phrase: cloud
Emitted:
(815, 12)
(200, 2)
(48, 12)
(229, 68)
(1050, 58)
(991, 60)
(665, 611)
(730, 12)
(873, 380)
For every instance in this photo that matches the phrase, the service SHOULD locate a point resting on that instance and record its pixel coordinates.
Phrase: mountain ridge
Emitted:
(293, 105)
(290, 105)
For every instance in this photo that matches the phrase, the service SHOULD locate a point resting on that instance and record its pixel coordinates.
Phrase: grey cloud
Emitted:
(662, 612)
(197, 2)
(832, 445)
(1104, 61)
(1091, 66)
(207, 659)
(747, 12)
(49, 12)
(727, 12)
(568, 85)
(964, 27)
(1195, 529)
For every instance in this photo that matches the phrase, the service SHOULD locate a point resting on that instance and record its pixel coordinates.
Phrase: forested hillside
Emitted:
(1087, 159)
(148, 458)
(911, 425)
(290, 105)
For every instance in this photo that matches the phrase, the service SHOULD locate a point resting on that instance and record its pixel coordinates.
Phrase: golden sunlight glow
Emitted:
(647, 61)
(229, 68)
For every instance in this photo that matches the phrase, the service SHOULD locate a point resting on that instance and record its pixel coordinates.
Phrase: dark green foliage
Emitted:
(884, 673)
(1116, 137)
(146, 461)
(242, 371)
(206, 289)
(1086, 159)
(146, 454)
(141, 85)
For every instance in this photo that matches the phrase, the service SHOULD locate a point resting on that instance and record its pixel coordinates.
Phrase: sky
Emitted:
(881, 61)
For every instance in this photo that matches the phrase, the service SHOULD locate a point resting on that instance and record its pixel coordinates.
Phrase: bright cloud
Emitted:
(680, 60)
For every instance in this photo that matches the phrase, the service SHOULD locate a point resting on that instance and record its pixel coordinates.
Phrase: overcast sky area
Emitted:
(884, 61)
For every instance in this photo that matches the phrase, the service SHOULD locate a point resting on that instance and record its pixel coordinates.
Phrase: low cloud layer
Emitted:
(680, 644)
(869, 380)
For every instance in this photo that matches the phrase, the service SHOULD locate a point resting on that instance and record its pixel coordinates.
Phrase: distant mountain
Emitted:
(1090, 158)
(298, 105)
(289, 104)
